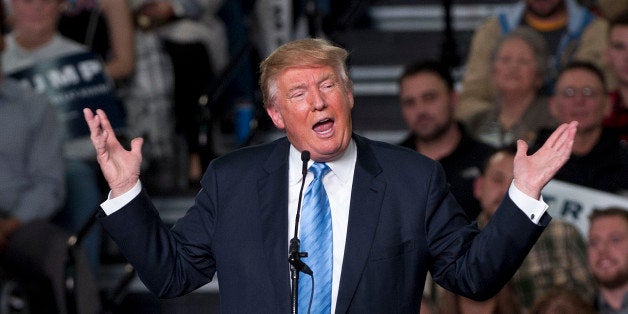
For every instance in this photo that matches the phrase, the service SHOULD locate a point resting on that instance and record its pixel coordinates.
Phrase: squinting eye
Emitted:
(297, 95)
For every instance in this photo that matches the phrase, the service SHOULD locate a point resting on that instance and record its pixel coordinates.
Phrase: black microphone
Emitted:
(305, 157)
(295, 243)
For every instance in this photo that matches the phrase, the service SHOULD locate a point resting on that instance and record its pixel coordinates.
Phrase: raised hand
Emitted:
(532, 173)
(120, 167)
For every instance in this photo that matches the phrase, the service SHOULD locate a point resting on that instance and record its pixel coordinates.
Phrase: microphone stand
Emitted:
(294, 258)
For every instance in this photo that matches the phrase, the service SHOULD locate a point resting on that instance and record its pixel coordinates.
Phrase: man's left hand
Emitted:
(533, 172)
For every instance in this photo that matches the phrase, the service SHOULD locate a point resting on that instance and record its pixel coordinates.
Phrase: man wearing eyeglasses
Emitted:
(598, 160)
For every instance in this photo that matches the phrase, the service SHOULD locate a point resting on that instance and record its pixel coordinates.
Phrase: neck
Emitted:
(513, 107)
(442, 146)
(585, 140)
(547, 23)
(614, 297)
(33, 41)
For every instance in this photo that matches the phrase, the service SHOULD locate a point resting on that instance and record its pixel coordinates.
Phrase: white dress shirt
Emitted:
(338, 183)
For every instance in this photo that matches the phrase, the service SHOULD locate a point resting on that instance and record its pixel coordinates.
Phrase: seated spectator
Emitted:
(608, 258)
(505, 302)
(428, 101)
(598, 160)
(518, 111)
(195, 42)
(32, 250)
(609, 9)
(571, 32)
(558, 259)
(35, 40)
(148, 101)
(562, 301)
(105, 27)
(617, 56)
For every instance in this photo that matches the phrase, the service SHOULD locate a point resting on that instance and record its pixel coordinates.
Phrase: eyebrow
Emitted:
(325, 78)
(303, 85)
(297, 87)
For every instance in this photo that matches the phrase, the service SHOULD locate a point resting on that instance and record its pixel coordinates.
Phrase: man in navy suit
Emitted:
(393, 217)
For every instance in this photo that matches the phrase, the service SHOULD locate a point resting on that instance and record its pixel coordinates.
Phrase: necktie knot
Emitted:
(319, 169)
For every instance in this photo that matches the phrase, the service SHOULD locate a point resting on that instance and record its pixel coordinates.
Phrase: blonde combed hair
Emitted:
(302, 53)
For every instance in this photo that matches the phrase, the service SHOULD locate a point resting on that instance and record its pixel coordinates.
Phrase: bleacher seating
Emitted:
(402, 32)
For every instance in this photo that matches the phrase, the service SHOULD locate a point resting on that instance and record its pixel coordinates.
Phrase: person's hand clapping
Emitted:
(120, 167)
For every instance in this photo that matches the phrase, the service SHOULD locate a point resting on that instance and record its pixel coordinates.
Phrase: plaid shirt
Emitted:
(148, 98)
(558, 259)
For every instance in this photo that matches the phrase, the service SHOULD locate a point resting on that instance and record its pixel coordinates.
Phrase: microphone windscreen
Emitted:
(305, 156)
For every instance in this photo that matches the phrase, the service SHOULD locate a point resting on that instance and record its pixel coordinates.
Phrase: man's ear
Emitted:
(553, 107)
(350, 98)
(478, 185)
(276, 116)
(453, 99)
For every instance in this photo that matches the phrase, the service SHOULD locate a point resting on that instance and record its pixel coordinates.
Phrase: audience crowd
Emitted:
(183, 71)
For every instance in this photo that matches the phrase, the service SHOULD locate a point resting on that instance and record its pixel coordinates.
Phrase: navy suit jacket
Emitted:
(403, 222)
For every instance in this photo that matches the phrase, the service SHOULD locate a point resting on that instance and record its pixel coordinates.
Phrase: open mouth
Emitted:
(324, 126)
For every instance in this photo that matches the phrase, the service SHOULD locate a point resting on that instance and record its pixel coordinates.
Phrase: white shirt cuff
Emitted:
(531, 207)
(111, 205)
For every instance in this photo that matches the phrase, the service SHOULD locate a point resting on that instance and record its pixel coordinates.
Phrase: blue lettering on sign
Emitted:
(549, 199)
(71, 83)
(572, 208)
(89, 69)
(66, 76)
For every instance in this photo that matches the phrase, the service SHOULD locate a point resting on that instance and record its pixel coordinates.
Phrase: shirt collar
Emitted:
(342, 167)
(603, 305)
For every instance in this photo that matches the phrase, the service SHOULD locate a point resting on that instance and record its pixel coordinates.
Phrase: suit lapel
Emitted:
(273, 196)
(366, 202)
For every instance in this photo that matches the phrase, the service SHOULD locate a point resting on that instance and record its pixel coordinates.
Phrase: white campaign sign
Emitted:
(573, 203)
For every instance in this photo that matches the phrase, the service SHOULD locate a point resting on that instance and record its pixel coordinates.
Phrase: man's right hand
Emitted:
(120, 167)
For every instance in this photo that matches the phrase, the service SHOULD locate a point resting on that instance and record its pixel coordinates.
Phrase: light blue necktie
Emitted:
(316, 240)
